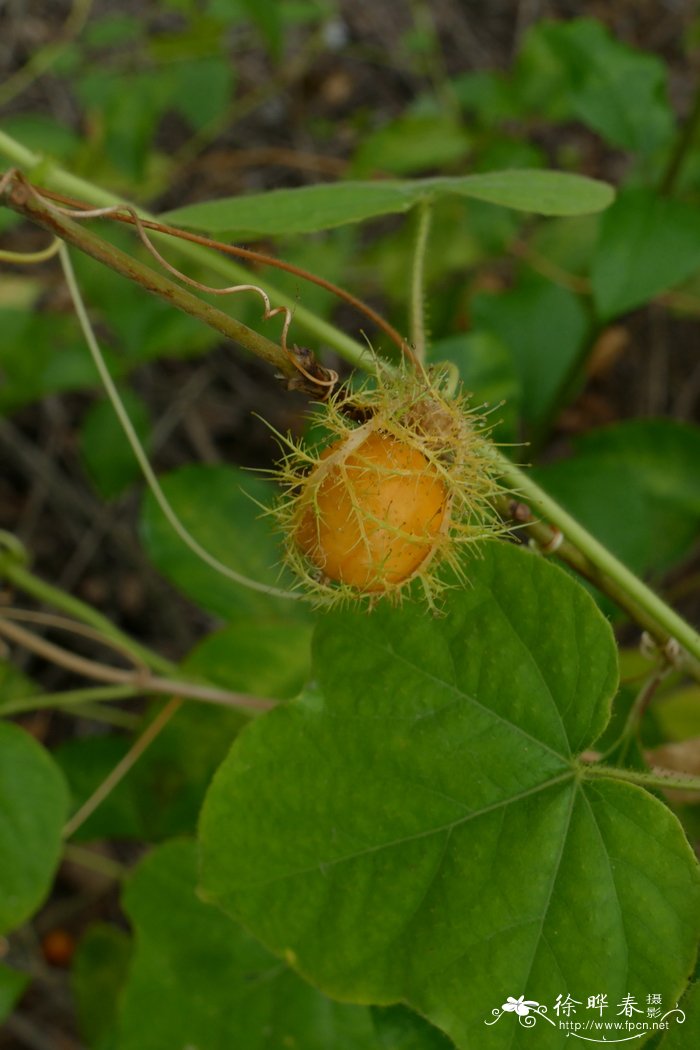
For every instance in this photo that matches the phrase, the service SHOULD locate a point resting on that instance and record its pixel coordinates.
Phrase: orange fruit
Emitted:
(375, 514)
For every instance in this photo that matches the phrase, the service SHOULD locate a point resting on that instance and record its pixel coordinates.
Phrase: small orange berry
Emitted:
(58, 947)
(377, 512)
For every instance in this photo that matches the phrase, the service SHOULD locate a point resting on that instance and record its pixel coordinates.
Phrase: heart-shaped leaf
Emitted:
(418, 828)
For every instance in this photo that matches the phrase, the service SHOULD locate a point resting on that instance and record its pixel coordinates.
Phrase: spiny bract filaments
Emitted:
(403, 486)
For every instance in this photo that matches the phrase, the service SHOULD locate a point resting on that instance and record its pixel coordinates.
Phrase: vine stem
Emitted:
(683, 145)
(70, 698)
(665, 622)
(645, 780)
(21, 197)
(143, 682)
(26, 581)
(63, 181)
(123, 767)
(142, 459)
(88, 858)
(418, 333)
(31, 258)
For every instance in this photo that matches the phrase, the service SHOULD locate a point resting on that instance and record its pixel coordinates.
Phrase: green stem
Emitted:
(88, 858)
(645, 780)
(27, 204)
(110, 716)
(70, 698)
(418, 334)
(44, 592)
(601, 558)
(63, 182)
(139, 452)
(684, 143)
(122, 768)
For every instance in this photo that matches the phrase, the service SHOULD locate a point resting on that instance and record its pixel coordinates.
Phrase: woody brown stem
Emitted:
(18, 195)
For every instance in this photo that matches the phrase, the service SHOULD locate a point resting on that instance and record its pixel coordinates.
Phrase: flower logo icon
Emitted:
(520, 1006)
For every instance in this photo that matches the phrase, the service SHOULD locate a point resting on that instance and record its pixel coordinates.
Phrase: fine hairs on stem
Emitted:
(418, 327)
(187, 538)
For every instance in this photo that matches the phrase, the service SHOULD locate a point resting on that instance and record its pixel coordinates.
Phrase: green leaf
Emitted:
(267, 16)
(85, 763)
(106, 454)
(683, 1031)
(37, 131)
(33, 805)
(303, 210)
(269, 658)
(12, 984)
(545, 328)
(99, 972)
(257, 657)
(412, 143)
(112, 31)
(217, 506)
(161, 797)
(401, 1029)
(578, 67)
(676, 716)
(647, 245)
(487, 370)
(418, 829)
(658, 462)
(128, 129)
(14, 684)
(312, 208)
(541, 192)
(568, 243)
(486, 95)
(198, 980)
(201, 89)
(40, 354)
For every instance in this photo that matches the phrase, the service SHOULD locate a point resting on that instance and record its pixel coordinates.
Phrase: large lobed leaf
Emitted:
(417, 827)
(312, 208)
